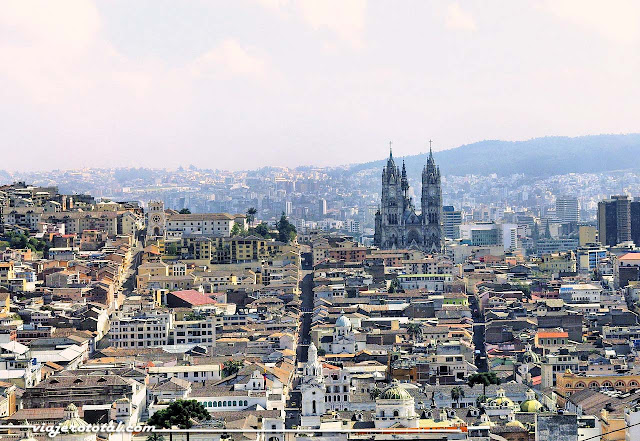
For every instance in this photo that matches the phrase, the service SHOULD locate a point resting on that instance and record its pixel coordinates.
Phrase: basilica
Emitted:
(397, 224)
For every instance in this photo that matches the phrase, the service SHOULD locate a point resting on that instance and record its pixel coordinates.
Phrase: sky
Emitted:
(247, 83)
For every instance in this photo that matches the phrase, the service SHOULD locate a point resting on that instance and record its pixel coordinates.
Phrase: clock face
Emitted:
(156, 218)
(432, 191)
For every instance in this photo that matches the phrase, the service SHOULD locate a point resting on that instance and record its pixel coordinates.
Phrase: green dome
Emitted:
(395, 392)
(531, 406)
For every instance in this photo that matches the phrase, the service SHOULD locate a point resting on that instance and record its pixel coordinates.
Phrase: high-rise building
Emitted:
(397, 225)
(587, 234)
(614, 220)
(634, 209)
(452, 219)
(567, 209)
(322, 207)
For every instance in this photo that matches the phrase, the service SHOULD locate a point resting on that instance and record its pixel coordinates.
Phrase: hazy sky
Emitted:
(244, 83)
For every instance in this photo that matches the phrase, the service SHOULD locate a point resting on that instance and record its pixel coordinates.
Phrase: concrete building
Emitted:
(567, 209)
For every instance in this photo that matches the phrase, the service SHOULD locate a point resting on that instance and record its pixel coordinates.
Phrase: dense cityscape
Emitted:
(314, 301)
(350, 220)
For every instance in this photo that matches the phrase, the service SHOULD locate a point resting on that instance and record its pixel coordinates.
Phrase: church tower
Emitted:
(392, 205)
(432, 206)
(156, 220)
(313, 390)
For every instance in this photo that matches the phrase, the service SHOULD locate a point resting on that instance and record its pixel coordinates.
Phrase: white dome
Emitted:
(343, 322)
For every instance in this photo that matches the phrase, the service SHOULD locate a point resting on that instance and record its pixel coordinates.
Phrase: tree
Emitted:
(171, 249)
(322, 352)
(485, 379)
(181, 413)
(231, 367)
(237, 230)
(251, 215)
(262, 230)
(457, 393)
(375, 392)
(415, 331)
(286, 230)
(155, 437)
(394, 286)
(185, 211)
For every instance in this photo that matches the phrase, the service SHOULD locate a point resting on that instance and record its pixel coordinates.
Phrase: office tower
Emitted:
(322, 207)
(452, 220)
(614, 220)
(567, 209)
(634, 209)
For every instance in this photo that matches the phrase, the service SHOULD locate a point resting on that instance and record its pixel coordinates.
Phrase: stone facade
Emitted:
(397, 225)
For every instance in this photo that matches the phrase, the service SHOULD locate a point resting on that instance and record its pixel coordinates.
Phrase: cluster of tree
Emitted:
(181, 413)
(286, 230)
(394, 286)
(185, 211)
(171, 249)
(231, 367)
(19, 240)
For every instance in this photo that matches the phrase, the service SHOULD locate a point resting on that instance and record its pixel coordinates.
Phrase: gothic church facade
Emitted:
(397, 224)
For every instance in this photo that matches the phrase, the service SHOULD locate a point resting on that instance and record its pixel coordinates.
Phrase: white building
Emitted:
(580, 293)
(313, 390)
(144, 330)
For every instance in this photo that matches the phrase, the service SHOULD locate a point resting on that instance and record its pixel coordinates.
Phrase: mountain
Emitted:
(546, 156)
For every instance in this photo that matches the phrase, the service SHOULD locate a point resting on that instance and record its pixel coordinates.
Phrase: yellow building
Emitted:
(559, 262)
(6, 273)
(587, 234)
(569, 383)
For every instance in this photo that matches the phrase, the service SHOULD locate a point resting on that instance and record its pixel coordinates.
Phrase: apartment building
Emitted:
(143, 330)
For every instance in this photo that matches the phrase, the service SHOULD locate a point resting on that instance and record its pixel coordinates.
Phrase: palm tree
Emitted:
(457, 393)
(415, 331)
(251, 215)
(485, 379)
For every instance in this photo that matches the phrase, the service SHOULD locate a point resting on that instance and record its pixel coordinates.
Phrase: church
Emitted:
(397, 224)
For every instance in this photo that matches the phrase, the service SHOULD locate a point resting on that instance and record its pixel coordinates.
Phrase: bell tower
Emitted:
(432, 205)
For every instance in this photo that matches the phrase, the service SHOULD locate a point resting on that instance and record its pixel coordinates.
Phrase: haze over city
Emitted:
(239, 85)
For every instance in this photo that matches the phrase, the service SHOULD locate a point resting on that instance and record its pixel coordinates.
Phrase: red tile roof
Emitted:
(193, 297)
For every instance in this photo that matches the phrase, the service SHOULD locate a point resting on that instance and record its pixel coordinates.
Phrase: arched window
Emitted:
(633, 383)
(579, 385)
(382, 414)
(396, 413)
(210, 404)
(607, 384)
(594, 385)
(215, 404)
(620, 384)
(219, 403)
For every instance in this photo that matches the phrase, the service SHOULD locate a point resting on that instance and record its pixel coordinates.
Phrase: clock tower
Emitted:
(156, 219)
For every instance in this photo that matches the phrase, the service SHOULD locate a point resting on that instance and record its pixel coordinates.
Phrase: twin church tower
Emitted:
(397, 225)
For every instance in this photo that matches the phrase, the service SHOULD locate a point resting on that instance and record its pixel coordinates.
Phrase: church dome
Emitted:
(515, 423)
(395, 392)
(531, 404)
(72, 419)
(501, 400)
(343, 322)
